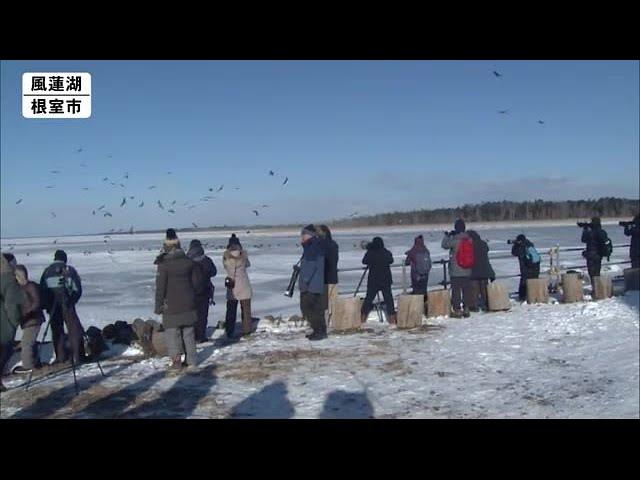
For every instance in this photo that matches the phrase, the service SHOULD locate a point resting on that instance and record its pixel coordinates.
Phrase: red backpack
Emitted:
(464, 254)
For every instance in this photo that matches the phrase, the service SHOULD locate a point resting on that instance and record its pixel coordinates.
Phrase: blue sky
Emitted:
(352, 136)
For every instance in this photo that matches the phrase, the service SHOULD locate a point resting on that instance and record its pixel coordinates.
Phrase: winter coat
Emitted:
(51, 289)
(593, 238)
(32, 315)
(519, 250)
(482, 268)
(418, 253)
(452, 243)
(312, 266)
(378, 259)
(176, 281)
(331, 262)
(208, 270)
(236, 268)
(633, 231)
(11, 299)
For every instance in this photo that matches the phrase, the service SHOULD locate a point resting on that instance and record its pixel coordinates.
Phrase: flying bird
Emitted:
(93, 213)
(101, 207)
(540, 122)
(265, 206)
(168, 173)
(503, 111)
(105, 179)
(497, 74)
(237, 188)
(271, 173)
(55, 171)
(194, 225)
(141, 204)
(85, 188)
(53, 215)
(122, 185)
(55, 241)
(132, 197)
(79, 150)
(152, 187)
(107, 214)
(124, 200)
(210, 189)
(50, 186)
(160, 204)
(256, 212)
(113, 184)
(126, 175)
(173, 203)
(286, 179)
(110, 156)
(353, 214)
(83, 164)
(171, 210)
(19, 202)
(220, 189)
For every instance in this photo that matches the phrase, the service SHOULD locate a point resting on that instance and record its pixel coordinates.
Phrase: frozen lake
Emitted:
(118, 275)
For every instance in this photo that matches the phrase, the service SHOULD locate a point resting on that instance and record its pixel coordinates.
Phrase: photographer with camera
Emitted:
(11, 300)
(204, 294)
(236, 261)
(311, 283)
(32, 319)
(598, 246)
(61, 289)
(632, 229)
(330, 270)
(420, 260)
(378, 259)
(529, 260)
(461, 261)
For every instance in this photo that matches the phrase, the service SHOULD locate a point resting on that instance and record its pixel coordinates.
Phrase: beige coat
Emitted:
(237, 269)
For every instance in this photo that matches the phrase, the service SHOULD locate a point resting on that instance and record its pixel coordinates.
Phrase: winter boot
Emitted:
(455, 314)
(392, 319)
(176, 364)
(315, 336)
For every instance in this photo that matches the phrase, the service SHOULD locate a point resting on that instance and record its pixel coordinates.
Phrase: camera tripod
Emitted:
(74, 367)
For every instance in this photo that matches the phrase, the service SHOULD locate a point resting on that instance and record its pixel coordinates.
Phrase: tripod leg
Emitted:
(29, 380)
(100, 367)
(75, 380)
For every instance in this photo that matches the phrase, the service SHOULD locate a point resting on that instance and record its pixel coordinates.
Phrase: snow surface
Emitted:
(536, 361)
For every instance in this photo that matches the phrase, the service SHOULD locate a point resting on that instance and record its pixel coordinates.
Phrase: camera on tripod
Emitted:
(627, 224)
(292, 281)
(585, 224)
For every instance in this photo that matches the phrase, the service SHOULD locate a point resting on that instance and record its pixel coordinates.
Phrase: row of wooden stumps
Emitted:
(412, 308)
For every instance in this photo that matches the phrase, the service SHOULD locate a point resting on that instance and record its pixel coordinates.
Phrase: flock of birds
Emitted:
(506, 112)
(169, 207)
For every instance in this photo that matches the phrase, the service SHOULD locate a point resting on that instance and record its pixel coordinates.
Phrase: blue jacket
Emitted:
(312, 266)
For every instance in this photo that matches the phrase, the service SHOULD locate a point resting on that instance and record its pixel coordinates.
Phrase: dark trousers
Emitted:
(6, 350)
(312, 308)
(232, 313)
(479, 293)
(594, 264)
(59, 318)
(372, 291)
(202, 311)
(419, 286)
(461, 293)
(635, 262)
(522, 287)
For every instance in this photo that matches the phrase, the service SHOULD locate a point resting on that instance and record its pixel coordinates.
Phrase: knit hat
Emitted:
(195, 243)
(171, 241)
(233, 240)
(521, 238)
(459, 226)
(308, 230)
(60, 255)
(171, 234)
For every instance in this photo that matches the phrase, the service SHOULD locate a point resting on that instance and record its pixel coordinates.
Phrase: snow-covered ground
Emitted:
(535, 361)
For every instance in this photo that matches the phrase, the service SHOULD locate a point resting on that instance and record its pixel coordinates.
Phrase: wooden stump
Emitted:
(438, 303)
(537, 291)
(497, 297)
(347, 313)
(631, 279)
(602, 287)
(332, 294)
(571, 288)
(410, 311)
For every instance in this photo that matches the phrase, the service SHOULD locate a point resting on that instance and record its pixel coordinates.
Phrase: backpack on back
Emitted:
(531, 256)
(605, 247)
(423, 263)
(464, 255)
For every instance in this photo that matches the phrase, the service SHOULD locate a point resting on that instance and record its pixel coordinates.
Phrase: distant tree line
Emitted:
(502, 211)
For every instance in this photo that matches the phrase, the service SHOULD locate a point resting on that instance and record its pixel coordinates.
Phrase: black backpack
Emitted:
(605, 246)
(94, 344)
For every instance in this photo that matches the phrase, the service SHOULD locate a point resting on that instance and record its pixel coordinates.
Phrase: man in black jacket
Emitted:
(594, 237)
(633, 231)
(204, 294)
(330, 270)
(527, 269)
(61, 290)
(378, 259)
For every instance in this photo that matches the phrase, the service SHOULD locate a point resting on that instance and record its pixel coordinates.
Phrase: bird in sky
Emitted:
(152, 187)
(256, 212)
(79, 150)
(101, 207)
(497, 74)
(272, 173)
(141, 204)
(160, 204)
(107, 214)
(55, 172)
(220, 188)
(286, 179)
(19, 202)
(194, 225)
(171, 210)
(503, 112)
(124, 201)
(540, 122)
